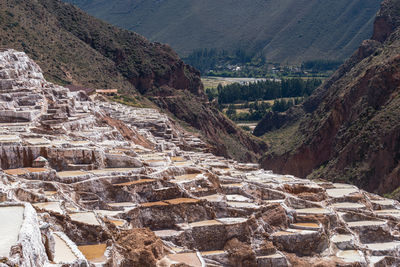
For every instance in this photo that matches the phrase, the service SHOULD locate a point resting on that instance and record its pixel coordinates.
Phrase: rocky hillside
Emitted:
(349, 129)
(76, 49)
(283, 31)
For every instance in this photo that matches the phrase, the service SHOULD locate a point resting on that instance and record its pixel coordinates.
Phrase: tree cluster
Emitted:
(265, 90)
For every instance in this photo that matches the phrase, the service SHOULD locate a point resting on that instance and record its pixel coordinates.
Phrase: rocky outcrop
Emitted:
(349, 130)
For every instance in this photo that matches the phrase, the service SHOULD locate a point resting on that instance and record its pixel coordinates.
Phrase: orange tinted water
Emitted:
(94, 253)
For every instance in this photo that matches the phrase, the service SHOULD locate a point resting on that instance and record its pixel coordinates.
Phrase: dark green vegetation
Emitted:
(284, 31)
(348, 130)
(80, 51)
(264, 90)
(246, 102)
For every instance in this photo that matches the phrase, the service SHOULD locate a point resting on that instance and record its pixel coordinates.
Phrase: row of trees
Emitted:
(258, 109)
(265, 90)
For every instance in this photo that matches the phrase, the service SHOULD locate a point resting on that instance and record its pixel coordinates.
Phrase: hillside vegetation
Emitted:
(285, 31)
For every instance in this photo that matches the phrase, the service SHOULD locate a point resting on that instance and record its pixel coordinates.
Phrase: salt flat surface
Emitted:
(10, 224)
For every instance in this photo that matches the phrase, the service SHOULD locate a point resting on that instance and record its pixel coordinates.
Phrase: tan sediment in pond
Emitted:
(152, 204)
(62, 252)
(10, 225)
(181, 201)
(177, 159)
(282, 233)
(205, 223)
(307, 225)
(20, 171)
(117, 222)
(94, 253)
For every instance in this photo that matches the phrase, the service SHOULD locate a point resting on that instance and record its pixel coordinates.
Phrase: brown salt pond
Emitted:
(10, 225)
(190, 259)
(94, 253)
(177, 159)
(153, 204)
(181, 201)
(118, 222)
(62, 252)
(306, 226)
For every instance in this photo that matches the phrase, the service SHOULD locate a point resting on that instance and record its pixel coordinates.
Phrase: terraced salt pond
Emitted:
(85, 217)
(50, 206)
(62, 252)
(350, 256)
(11, 221)
(94, 253)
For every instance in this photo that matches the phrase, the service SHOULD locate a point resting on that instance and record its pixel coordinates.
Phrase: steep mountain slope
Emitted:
(75, 48)
(283, 31)
(349, 129)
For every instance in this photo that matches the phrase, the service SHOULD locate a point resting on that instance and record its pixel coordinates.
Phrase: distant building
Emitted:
(109, 92)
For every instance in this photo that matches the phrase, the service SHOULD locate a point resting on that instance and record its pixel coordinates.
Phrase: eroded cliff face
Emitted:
(349, 128)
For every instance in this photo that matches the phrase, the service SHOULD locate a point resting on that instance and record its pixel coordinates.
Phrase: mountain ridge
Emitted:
(291, 31)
